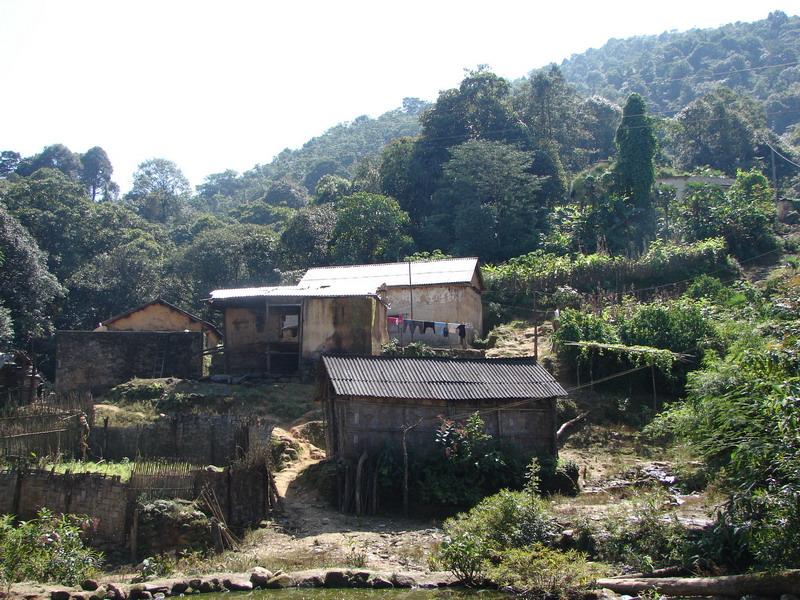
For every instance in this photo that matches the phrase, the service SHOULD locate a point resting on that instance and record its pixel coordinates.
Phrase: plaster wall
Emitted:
(355, 325)
(449, 303)
(157, 317)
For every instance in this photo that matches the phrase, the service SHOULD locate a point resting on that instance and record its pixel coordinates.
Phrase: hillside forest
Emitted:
(553, 180)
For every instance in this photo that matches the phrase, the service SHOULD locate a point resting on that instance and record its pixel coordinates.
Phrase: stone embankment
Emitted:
(257, 578)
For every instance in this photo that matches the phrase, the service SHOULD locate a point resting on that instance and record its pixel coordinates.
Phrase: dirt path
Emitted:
(311, 533)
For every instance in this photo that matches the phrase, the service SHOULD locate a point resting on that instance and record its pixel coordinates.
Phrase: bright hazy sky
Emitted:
(229, 84)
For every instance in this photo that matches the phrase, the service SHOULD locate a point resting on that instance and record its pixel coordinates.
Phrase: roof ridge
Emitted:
(402, 262)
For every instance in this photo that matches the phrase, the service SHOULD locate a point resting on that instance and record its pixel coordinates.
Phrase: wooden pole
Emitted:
(653, 379)
(406, 429)
(535, 330)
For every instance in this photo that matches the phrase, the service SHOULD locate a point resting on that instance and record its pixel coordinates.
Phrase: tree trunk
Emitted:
(764, 584)
(569, 427)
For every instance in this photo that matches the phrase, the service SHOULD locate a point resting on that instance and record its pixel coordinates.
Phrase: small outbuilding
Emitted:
(368, 400)
(160, 315)
(422, 297)
(276, 329)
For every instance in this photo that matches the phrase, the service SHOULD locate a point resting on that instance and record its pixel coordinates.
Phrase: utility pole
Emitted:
(535, 330)
(411, 299)
(774, 181)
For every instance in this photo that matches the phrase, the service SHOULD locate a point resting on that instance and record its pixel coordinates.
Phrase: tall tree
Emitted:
(487, 203)
(57, 156)
(634, 172)
(160, 190)
(96, 174)
(27, 288)
(370, 228)
(306, 240)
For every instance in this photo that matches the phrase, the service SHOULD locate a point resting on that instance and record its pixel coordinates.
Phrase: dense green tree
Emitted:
(370, 228)
(718, 130)
(331, 188)
(486, 204)
(57, 156)
(551, 110)
(305, 242)
(634, 172)
(56, 211)
(600, 121)
(744, 215)
(127, 275)
(236, 255)
(286, 192)
(96, 174)
(160, 190)
(27, 288)
(9, 160)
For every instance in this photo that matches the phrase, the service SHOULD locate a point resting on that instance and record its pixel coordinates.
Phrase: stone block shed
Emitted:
(368, 399)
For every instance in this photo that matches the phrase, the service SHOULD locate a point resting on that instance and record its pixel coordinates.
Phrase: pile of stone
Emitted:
(258, 578)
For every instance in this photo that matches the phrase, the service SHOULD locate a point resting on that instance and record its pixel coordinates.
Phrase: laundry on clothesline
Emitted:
(400, 324)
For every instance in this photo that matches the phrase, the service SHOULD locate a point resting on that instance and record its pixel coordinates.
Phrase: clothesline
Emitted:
(441, 328)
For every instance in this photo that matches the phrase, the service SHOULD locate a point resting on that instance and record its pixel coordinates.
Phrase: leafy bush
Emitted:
(504, 521)
(49, 548)
(470, 464)
(151, 567)
(515, 281)
(542, 572)
(647, 539)
(742, 416)
(412, 349)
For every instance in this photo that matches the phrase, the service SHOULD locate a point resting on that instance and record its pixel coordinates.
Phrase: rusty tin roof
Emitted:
(440, 378)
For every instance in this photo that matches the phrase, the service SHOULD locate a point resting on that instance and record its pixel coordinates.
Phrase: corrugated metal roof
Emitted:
(440, 378)
(298, 291)
(450, 270)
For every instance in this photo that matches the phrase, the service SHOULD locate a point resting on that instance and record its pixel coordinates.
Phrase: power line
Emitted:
(781, 155)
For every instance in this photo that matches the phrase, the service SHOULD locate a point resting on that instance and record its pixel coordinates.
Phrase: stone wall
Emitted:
(105, 499)
(199, 439)
(243, 491)
(97, 361)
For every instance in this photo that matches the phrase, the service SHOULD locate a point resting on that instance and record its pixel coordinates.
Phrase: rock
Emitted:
(337, 579)
(179, 587)
(158, 596)
(380, 583)
(237, 584)
(259, 576)
(280, 581)
(359, 579)
(145, 595)
(89, 585)
(98, 594)
(60, 595)
(311, 581)
(403, 581)
(195, 584)
(79, 596)
(115, 592)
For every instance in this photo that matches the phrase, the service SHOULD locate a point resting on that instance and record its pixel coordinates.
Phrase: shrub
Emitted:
(469, 465)
(542, 572)
(647, 539)
(48, 548)
(504, 521)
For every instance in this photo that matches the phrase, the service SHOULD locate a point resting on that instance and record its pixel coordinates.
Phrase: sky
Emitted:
(228, 84)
